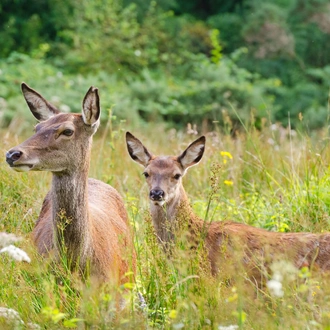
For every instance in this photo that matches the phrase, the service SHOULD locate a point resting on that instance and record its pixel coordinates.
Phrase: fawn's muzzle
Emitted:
(156, 194)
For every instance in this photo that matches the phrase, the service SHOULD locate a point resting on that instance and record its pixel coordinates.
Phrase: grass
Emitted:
(270, 178)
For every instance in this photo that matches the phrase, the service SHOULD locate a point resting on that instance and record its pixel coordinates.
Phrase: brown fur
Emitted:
(224, 241)
(85, 218)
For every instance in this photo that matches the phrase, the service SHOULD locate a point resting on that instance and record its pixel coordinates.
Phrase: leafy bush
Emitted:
(211, 92)
(245, 59)
(64, 91)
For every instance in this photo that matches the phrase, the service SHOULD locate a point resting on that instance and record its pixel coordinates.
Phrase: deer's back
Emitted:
(258, 247)
(110, 242)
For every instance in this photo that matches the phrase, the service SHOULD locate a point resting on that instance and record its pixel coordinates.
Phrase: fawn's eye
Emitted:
(146, 175)
(67, 132)
(177, 176)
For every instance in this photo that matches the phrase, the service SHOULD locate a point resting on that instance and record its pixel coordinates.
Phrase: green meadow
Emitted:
(271, 178)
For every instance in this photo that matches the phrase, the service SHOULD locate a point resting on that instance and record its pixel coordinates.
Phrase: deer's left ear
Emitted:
(91, 107)
(193, 154)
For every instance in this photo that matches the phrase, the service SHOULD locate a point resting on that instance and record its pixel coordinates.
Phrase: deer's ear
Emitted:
(137, 150)
(40, 108)
(91, 107)
(193, 154)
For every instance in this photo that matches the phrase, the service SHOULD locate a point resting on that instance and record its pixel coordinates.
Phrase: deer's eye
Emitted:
(67, 132)
(177, 176)
(146, 175)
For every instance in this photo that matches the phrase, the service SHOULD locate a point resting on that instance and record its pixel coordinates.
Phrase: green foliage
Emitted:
(23, 26)
(96, 28)
(197, 97)
(216, 51)
(279, 35)
(63, 90)
(201, 96)
(229, 25)
(113, 42)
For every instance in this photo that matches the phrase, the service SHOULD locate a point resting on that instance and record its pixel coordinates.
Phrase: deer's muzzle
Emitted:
(16, 161)
(156, 195)
(12, 156)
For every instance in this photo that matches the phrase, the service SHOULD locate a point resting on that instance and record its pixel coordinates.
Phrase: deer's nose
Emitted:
(12, 156)
(156, 194)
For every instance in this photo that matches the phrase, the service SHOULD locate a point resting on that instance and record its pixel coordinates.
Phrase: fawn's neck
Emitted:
(71, 213)
(173, 215)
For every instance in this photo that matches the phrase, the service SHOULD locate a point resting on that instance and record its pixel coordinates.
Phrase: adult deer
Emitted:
(84, 218)
(171, 212)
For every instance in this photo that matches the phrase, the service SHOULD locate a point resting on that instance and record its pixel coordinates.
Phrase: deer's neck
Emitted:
(71, 214)
(175, 214)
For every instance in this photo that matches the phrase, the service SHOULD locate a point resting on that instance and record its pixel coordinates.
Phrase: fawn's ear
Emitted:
(137, 150)
(40, 108)
(193, 154)
(91, 107)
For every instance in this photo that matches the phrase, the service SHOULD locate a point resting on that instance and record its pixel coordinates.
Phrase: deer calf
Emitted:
(84, 218)
(170, 211)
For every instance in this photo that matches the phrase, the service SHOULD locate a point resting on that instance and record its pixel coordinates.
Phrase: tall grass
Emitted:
(274, 179)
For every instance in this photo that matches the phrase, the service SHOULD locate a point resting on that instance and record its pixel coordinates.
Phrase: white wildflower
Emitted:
(33, 326)
(192, 129)
(137, 52)
(275, 287)
(55, 99)
(228, 327)
(293, 133)
(10, 316)
(283, 271)
(271, 141)
(6, 239)
(274, 127)
(65, 108)
(16, 253)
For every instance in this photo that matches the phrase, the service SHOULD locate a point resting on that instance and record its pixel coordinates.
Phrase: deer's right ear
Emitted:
(137, 150)
(193, 154)
(40, 108)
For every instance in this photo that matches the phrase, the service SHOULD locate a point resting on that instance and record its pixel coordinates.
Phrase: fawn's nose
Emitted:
(156, 194)
(12, 156)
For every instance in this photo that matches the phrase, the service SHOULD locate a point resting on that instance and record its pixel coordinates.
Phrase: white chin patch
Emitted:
(23, 168)
(160, 203)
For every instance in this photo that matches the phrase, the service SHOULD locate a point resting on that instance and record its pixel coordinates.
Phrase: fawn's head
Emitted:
(164, 173)
(61, 141)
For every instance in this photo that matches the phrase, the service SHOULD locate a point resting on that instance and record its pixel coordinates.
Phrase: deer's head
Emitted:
(61, 140)
(164, 173)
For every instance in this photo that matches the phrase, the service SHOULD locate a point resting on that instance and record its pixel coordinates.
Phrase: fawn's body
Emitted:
(84, 218)
(170, 211)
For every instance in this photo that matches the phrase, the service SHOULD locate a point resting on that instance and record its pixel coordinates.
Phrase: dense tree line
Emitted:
(270, 57)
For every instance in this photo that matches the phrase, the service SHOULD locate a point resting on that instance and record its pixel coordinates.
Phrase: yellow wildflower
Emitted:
(277, 82)
(173, 314)
(226, 155)
(228, 182)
